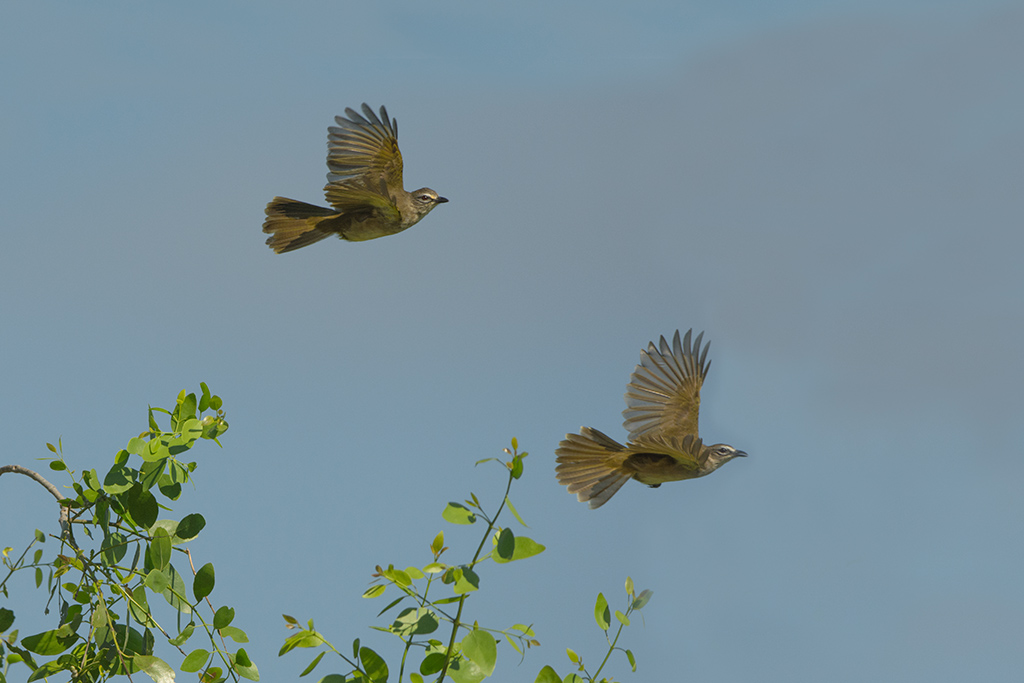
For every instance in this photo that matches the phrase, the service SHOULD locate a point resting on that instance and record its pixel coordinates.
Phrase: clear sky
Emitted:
(831, 190)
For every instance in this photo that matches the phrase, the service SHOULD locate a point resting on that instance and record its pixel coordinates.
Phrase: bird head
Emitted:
(424, 200)
(721, 453)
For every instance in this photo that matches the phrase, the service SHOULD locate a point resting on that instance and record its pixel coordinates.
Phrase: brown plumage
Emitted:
(364, 187)
(663, 402)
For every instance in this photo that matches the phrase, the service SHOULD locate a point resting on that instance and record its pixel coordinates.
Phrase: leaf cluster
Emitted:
(107, 584)
(468, 652)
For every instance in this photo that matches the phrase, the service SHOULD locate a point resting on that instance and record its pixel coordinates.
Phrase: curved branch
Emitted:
(65, 523)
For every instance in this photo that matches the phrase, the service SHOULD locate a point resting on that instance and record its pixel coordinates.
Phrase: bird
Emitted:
(662, 399)
(364, 188)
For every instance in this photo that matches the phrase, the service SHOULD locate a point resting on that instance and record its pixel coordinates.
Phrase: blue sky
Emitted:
(831, 190)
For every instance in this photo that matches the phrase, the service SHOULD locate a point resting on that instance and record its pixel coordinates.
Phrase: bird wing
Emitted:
(362, 196)
(364, 147)
(687, 450)
(663, 394)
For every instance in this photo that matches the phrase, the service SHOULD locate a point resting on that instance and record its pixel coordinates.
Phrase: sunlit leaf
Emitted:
(373, 664)
(160, 548)
(195, 660)
(547, 675)
(154, 667)
(457, 513)
(601, 614)
(480, 647)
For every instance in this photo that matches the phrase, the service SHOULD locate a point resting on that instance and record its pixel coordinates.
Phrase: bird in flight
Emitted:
(364, 187)
(662, 399)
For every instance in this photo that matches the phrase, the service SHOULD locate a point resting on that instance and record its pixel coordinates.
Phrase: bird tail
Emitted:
(293, 224)
(590, 464)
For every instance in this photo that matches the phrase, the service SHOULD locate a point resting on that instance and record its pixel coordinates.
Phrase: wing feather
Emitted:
(364, 147)
(663, 394)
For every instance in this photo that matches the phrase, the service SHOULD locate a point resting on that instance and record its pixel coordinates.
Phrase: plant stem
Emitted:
(462, 600)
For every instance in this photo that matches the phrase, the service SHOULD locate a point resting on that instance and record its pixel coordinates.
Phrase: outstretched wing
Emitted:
(663, 394)
(364, 148)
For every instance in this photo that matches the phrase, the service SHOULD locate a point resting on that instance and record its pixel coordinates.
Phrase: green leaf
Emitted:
(642, 599)
(57, 465)
(505, 545)
(432, 663)
(466, 581)
(244, 666)
(224, 616)
(517, 467)
(139, 607)
(118, 480)
(480, 647)
(135, 445)
(202, 584)
(48, 669)
(414, 622)
(6, 619)
(515, 512)
(461, 669)
(301, 639)
(573, 657)
(623, 619)
(312, 665)
(601, 614)
(204, 401)
(113, 548)
(434, 568)
(629, 586)
(40, 536)
(392, 604)
(234, 633)
(457, 513)
(49, 642)
(142, 506)
(151, 473)
(154, 667)
(438, 543)
(175, 594)
(195, 660)
(160, 549)
(547, 675)
(190, 526)
(374, 591)
(183, 637)
(524, 547)
(374, 666)
(632, 659)
(157, 581)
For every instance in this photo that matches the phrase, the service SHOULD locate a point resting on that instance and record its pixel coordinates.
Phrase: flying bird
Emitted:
(662, 399)
(364, 187)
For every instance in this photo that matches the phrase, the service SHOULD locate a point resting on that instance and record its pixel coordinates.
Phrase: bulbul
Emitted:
(364, 187)
(662, 399)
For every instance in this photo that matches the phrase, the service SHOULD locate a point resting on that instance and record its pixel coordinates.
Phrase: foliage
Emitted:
(107, 586)
(468, 653)
(109, 622)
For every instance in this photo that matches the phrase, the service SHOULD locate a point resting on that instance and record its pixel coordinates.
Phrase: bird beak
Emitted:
(441, 200)
(741, 454)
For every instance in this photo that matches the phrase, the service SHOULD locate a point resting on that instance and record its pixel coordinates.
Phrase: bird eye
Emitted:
(425, 198)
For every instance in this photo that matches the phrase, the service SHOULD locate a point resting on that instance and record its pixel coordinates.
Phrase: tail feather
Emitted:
(293, 224)
(590, 465)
